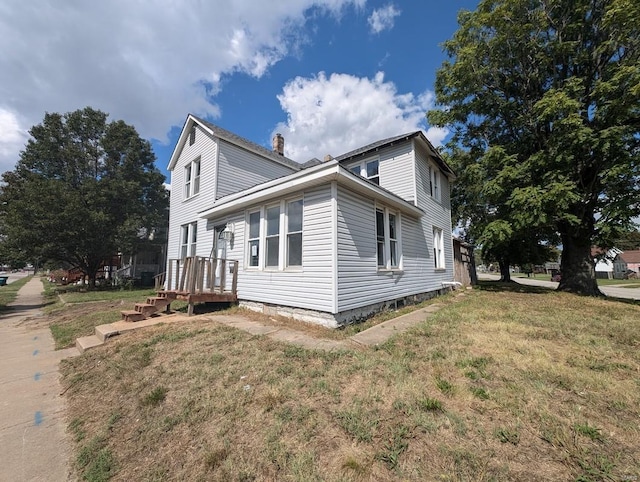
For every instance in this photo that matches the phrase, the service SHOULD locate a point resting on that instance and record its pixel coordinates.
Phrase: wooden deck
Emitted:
(198, 279)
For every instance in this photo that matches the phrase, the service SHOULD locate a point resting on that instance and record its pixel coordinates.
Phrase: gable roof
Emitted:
(630, 256)
(381, 144)
(231, 138)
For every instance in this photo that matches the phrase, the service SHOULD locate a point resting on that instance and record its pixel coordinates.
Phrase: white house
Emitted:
(327, 242)
(604, 261)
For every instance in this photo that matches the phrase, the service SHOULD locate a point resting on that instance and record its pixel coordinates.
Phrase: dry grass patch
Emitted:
(500, 386)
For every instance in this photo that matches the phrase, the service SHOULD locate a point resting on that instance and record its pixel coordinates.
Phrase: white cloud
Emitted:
(149, 63)
(332, 115)
(383, 18)
(12, 136)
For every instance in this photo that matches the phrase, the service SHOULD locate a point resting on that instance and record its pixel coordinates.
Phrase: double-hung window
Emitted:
(369, 170)
(279, 228)
(273, 237)
(434, 182)
(189, 238)
(253, 243)
(438, 248)
(192, 178)
(294, 233)
(387, 239)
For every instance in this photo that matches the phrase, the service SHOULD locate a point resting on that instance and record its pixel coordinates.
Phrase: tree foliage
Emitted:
(543, 97)
(83, 190)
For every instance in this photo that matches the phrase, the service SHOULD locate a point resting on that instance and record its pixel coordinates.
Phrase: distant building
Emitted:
(627, 264)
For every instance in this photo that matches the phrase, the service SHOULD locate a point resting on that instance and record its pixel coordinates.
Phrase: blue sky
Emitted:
(330, 75)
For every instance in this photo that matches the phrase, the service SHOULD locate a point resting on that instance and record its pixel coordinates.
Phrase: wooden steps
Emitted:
(154, 304)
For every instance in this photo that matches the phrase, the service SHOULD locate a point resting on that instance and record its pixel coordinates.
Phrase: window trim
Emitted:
(387, 266)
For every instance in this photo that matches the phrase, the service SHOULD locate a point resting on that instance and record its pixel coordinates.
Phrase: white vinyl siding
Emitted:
(240, 169)
(397, 171)
(186, 210)
(437, 213)
(360, 282)
(307, 286)
(237, 170)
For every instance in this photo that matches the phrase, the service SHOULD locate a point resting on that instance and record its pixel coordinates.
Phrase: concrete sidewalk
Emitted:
(33, 445)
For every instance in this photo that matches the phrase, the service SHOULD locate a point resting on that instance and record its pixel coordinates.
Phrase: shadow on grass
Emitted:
(512, 287)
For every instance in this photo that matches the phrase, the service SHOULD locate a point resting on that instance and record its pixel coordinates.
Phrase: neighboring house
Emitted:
(327, 242)
(603, 260)
(626, 262)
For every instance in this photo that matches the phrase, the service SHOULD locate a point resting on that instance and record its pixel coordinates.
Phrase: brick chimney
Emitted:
(278, 144)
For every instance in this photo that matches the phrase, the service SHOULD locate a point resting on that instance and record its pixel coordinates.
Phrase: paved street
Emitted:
(33, 444)
(613, 291)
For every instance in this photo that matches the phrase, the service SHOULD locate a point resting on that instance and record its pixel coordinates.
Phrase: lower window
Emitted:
(438, 248)
(189, 238)
(387, 239)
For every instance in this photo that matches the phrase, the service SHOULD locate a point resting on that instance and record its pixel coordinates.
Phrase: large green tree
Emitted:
(543, 97)
(83, 190)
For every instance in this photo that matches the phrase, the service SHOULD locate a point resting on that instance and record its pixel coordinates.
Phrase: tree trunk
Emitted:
(576, 268)
(505, 274)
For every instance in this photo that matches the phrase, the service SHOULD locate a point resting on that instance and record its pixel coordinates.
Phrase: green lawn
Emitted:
(75, 312)
(8, 293)
(508, 383)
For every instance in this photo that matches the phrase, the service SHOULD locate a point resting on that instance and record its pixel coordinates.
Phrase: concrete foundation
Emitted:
(343, 318)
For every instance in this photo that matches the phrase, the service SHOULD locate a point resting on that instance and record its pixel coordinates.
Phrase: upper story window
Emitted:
(387, 239)
(279, 228)
(369, 170)
(192, 178)
(189, 238)
(434, 182)
(438, 248)
(192, 135)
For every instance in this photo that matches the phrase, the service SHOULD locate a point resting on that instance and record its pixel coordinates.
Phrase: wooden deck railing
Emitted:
(158, 281)
(197, 274)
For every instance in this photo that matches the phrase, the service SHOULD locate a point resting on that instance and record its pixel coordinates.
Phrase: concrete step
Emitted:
(132, 315)
(170, 295)
(145, 308)
(104, 332)
(85, 343)
(159, 301)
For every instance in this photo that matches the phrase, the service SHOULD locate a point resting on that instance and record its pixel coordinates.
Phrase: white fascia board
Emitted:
(186, 128)
(299, 181)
